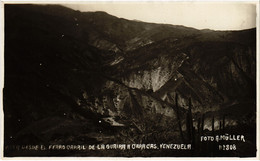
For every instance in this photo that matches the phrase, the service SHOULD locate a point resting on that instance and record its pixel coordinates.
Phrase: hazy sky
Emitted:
(217, 16)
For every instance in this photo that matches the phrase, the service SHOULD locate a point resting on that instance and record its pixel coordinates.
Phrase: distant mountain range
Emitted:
(89, 77)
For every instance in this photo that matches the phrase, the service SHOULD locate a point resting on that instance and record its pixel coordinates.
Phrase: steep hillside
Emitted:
(89, 78)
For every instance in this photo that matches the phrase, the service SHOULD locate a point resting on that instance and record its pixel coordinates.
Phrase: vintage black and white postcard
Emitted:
(130, 79)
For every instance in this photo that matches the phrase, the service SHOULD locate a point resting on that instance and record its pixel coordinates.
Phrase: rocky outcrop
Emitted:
(118, 77)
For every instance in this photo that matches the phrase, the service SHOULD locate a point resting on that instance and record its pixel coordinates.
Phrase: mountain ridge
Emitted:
(86, 68)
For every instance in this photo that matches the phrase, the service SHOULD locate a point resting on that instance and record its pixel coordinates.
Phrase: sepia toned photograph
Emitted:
(130, 79)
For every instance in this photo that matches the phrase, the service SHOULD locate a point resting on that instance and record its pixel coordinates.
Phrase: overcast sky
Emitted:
(217, 16)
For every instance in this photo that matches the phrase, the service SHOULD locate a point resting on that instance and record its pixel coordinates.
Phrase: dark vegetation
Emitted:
(58, 71)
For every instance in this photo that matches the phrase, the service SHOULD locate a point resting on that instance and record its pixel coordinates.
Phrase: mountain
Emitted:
(91, 78)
